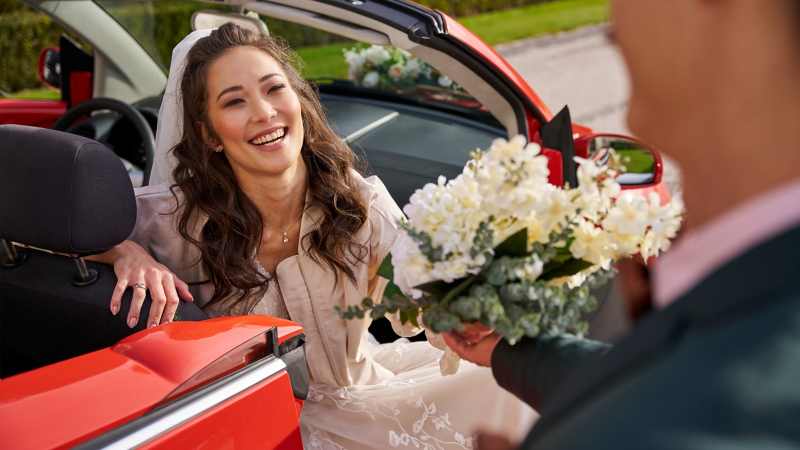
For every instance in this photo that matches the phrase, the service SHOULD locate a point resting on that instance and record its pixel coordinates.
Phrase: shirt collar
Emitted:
(702, 251)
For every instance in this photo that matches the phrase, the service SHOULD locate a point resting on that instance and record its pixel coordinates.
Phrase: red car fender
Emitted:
(83, 397)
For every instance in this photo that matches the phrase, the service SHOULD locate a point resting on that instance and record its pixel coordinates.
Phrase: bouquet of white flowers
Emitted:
(391, 67)
(500, 245)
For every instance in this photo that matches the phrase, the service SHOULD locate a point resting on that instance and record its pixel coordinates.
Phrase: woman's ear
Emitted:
(213, 143)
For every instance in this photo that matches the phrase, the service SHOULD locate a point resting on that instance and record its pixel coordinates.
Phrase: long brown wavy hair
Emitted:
(229, 239)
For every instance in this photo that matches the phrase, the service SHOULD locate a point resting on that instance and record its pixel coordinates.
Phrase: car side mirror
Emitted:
(208, 19)
(49, 69)
(644, 162)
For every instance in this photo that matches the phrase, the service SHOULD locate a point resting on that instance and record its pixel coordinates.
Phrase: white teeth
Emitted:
(268, 137)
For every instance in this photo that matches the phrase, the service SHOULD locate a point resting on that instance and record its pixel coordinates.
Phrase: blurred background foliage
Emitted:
(24, 32)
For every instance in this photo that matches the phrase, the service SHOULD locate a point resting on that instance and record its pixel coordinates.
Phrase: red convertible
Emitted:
(71, 376)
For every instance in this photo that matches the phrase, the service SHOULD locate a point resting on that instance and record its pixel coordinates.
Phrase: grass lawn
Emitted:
(642, 161)
(545, 18)
(42, 93)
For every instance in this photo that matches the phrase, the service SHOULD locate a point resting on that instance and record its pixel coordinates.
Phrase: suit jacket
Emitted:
(718, 369)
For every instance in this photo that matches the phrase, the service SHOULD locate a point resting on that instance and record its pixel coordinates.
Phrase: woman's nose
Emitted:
(263, 111)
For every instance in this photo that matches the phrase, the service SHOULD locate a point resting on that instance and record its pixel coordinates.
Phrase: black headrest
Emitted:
(62, 192)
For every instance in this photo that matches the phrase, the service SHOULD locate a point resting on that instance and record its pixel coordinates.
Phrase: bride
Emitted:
(256, 203)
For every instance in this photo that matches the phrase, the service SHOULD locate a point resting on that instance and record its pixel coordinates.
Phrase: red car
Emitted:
(222, 382)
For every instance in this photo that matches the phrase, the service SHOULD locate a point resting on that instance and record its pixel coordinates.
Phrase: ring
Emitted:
(140, 285)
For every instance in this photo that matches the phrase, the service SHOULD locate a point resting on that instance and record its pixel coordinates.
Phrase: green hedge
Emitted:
(24, 32)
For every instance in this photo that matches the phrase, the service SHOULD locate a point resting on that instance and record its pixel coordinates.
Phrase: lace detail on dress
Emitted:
(272, 304)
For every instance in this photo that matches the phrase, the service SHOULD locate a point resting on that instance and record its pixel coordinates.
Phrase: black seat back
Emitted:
(69, 195)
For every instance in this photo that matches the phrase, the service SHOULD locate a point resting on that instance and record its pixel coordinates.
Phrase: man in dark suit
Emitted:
(716, 85)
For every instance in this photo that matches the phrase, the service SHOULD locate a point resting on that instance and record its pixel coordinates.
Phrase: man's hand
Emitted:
(479, 352)
(473, 332)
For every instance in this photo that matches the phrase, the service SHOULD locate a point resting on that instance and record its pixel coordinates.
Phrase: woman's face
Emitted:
(254, 112)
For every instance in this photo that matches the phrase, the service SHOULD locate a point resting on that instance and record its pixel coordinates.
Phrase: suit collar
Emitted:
(750, 282)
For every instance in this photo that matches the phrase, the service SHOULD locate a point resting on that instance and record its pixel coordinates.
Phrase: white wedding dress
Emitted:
(418, 407)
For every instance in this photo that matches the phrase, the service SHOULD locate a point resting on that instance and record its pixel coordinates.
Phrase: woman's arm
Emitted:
(132, 264)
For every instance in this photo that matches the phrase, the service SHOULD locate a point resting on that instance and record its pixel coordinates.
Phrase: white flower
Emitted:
(413, 67)
(397, 72)
(376, 54)
(592, 244)
(555, 208)
(371, 80)
(445, 81)
(354, 58)
(628, 215)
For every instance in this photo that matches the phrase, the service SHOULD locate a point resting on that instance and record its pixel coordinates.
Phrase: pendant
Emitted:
(285, 238)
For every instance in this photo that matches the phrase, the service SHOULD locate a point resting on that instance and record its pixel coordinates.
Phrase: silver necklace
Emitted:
(286, 231)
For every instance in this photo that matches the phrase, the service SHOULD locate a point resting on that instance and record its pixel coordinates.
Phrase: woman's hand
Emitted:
(133, 264)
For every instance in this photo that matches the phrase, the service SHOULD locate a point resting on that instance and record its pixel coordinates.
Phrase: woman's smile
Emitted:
(270, 140)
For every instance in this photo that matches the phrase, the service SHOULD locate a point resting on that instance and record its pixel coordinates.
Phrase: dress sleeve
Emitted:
(383, 216)
(532, 368)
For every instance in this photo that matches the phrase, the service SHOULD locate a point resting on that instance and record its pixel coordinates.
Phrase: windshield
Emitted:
(333, 62)
(157, 26)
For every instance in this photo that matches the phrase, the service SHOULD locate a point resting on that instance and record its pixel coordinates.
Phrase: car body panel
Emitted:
(35, 113)
(224, 426)
(117, 384)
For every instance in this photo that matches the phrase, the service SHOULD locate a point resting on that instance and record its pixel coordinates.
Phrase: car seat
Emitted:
(62, 197)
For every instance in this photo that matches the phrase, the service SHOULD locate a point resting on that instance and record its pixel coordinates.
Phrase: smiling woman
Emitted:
(236, 89)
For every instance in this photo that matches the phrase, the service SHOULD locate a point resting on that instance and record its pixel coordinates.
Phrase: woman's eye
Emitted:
(277, 87)
(235, 101)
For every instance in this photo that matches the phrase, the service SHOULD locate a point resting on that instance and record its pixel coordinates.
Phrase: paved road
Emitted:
(584, 70)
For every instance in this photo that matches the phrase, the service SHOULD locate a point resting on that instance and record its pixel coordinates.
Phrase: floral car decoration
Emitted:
(389, 67)
(500, 245)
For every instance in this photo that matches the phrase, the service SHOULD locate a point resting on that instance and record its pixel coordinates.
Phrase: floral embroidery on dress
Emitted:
(429, 431)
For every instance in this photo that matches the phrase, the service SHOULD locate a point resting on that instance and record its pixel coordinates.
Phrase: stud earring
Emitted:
(218, 149)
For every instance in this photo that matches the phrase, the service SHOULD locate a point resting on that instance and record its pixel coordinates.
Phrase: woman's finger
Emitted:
(172, 299)
(116, 297)
(183, 289)
(136, 303)
(159, 301)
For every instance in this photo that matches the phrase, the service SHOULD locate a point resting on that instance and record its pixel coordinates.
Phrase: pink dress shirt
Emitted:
(703, 250)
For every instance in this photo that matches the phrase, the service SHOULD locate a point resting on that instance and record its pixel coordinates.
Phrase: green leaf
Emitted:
(515, 245)
(437, 288)
(392, 291)
(412, 317)
(555, 263)
(568, 268)
(386, 270)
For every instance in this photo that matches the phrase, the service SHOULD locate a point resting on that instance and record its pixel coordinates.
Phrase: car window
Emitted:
(157, 26)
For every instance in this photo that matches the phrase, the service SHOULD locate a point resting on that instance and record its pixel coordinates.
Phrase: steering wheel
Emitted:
(126, 110)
